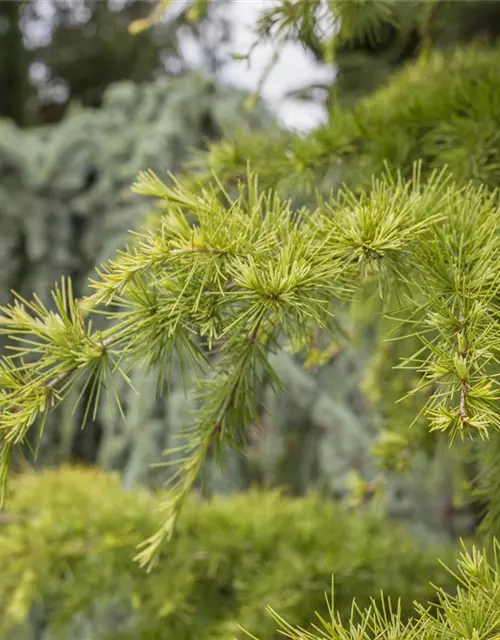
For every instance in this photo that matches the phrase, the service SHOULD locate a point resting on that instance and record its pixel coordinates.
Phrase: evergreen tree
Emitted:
(13, 64)
(244, 261)
(55, 53)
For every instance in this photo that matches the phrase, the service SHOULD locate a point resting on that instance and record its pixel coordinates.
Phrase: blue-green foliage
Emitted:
(66, 205)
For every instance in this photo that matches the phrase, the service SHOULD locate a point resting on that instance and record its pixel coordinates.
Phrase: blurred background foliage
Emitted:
(66, 568)
(57, 52)
(84, 106)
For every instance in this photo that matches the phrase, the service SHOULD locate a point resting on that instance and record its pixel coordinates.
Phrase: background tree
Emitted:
(13, 63)
(57, 52)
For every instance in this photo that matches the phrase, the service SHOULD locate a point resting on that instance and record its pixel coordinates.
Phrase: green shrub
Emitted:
(68, 539)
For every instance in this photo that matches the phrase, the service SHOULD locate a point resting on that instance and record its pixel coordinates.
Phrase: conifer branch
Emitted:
(231, 275)
(198, 444)
(472, 607)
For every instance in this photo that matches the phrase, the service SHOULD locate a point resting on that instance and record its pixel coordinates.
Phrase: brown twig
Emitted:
(463, 402)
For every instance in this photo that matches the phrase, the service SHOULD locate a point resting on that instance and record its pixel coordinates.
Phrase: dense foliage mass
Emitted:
(66, 565)
(441, 109)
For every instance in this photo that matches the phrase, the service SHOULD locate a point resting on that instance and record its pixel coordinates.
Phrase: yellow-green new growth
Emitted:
(224, 280)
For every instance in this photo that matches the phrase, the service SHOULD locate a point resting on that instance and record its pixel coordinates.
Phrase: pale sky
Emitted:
(295, 69)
